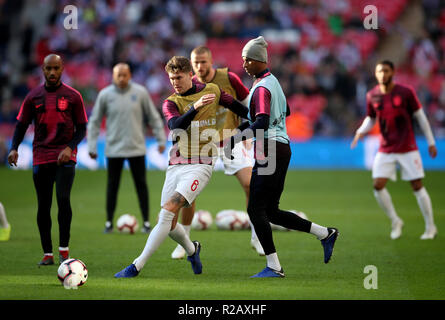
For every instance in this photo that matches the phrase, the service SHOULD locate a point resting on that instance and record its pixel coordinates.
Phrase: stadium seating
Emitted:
(158, 32)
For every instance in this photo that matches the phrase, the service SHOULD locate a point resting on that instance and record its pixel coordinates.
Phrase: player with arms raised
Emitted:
(394, 106)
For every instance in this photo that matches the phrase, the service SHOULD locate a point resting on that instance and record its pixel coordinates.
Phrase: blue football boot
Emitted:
(128, 272)
(269, 273)
(195, 260)
(328, 243)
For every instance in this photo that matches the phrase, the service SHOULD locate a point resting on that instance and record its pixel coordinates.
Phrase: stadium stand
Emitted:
(319, 50)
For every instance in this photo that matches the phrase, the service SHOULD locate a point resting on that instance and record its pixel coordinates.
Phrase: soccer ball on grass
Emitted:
(202, 220)
(232, 220)
(72, 273)
(127, 223)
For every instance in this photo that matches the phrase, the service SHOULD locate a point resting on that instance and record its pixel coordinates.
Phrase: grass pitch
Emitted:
(407, 268)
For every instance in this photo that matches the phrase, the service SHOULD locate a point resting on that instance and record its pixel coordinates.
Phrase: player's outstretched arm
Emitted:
(426, 128)
(366, 126)
(358, 136)
(237, 107)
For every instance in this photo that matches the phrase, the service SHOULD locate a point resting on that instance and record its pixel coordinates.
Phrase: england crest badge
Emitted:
(62, 104)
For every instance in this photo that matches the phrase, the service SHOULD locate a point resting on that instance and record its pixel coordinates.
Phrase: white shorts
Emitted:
(410, 165)
(242, 159)
(187, 179)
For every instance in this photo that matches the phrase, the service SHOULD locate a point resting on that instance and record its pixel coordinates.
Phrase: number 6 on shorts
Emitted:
(194, 185)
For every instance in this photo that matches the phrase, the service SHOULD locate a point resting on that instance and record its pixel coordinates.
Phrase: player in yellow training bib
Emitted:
(191, 116)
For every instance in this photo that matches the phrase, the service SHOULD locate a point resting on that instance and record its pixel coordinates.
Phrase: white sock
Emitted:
(155, 238)
(253, 233)
(180, 236)
(384, 200)
(424, 202)
(3, 221)
(63, 248)
(273, 262)
(187, 229)
(48, 254)
(319, 231)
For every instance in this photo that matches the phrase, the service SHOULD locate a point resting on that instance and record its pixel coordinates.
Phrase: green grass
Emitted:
(407, 268)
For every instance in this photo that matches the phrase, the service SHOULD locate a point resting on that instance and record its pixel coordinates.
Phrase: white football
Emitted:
(231, 220)
(72, 273)
(202, 220)
(244, 217)
(127, 223)
(280, 228)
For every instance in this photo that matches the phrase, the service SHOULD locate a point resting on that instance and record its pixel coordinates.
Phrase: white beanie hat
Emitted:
(256, 49)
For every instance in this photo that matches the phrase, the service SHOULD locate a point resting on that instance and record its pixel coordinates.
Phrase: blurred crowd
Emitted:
(319, 51)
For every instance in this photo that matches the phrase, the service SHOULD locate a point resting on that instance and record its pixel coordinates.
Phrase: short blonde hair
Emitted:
(201, 50)
(178, 64)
